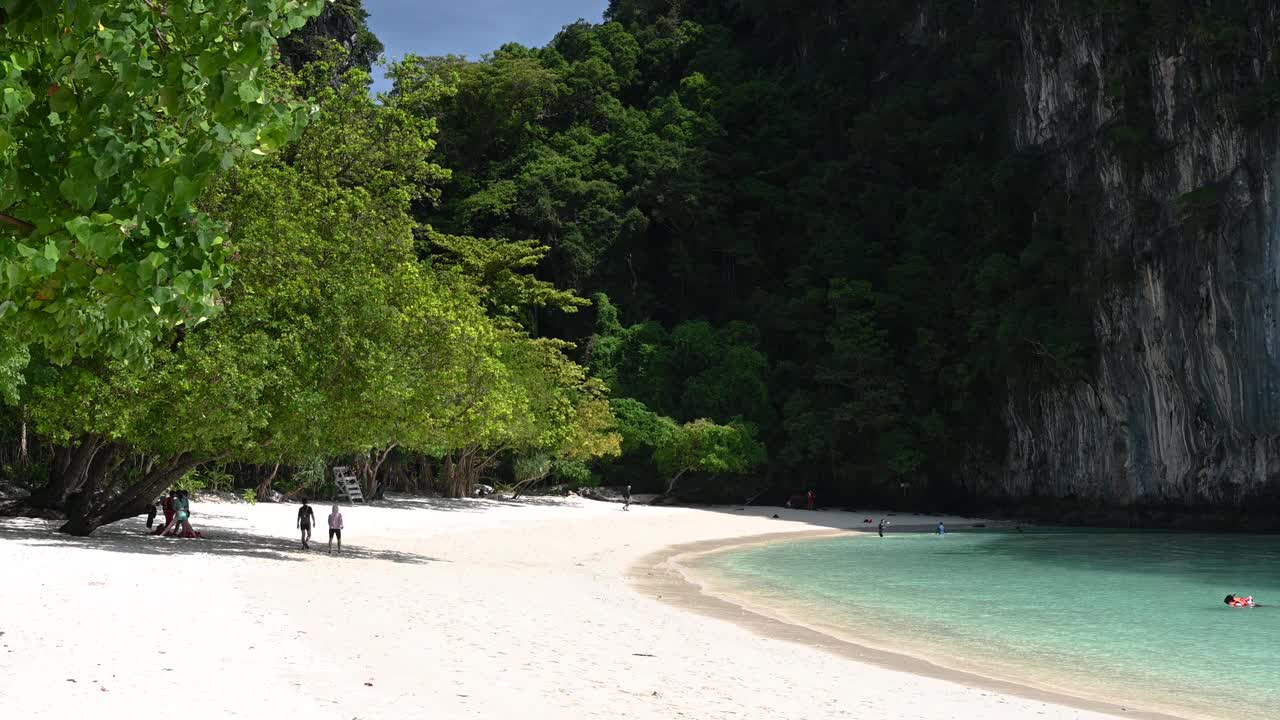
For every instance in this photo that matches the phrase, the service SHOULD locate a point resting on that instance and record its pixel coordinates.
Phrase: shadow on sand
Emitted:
(131, 537)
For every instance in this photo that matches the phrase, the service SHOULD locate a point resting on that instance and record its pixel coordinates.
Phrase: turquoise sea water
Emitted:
(1129, 617)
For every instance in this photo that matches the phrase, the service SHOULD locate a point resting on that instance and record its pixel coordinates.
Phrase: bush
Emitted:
(25, 475)
(250, 496)
(191, 482)
(210, 480)
(575, 473)
(310, 479)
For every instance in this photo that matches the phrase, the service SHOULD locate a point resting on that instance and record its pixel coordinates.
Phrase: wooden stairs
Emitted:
(348, 484)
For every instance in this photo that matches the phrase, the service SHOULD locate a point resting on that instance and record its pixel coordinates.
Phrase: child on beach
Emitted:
(335, 529)
(306, 518)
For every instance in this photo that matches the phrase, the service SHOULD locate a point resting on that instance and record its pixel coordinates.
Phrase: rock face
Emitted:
(1182, 407)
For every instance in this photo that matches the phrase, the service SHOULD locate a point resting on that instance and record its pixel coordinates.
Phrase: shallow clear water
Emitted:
(1129, 617)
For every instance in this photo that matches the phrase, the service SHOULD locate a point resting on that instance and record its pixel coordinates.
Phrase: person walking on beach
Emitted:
(809, 500)
(942, 529)
(626, 498)
(335, 529)
(306, 518)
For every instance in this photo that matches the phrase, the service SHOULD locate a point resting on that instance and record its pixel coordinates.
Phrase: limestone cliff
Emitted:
(1182, 406)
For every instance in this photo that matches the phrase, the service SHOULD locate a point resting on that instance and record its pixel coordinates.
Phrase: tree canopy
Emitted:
(114, 117)
(813, 254)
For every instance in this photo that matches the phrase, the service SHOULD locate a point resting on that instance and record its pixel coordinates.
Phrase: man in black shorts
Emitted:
(306, 518)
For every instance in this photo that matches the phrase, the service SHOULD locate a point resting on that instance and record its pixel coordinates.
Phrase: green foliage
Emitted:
(575, 473)
(311, 479)
(641, 429)
(114, 117)
(207, 479)
(696, 370)
(250, 496)
(788, 238)
(531, 468)
(13, 361)
(500, 268)
(704, 446)
(340, 29)
(192, 482)
(837, 247)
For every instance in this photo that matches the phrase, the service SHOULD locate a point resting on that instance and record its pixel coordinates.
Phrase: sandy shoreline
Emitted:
(442, 609)
(668, 574)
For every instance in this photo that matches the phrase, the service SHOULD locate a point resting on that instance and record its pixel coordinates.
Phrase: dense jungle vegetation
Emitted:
(714, 248)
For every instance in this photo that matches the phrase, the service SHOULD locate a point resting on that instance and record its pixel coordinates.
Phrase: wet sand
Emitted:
(671, 574)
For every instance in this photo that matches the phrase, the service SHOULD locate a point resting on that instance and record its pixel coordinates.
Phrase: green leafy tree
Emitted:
(704, 446)
(114, 117)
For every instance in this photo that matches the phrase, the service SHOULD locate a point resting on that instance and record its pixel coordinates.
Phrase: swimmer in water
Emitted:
(1234, 600)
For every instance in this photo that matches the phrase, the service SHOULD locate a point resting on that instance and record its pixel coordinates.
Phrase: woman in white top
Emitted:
(335, 529)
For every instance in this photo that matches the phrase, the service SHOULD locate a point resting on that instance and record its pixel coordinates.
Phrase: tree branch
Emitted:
(23, 226)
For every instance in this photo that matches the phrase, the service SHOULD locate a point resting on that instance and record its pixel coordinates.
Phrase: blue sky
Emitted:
(471, 27)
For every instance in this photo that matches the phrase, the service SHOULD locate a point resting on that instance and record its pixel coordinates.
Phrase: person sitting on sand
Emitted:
(306, 518)
(335, 529)
(1236, 601)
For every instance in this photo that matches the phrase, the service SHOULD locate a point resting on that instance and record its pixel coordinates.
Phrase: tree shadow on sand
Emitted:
(132, 537)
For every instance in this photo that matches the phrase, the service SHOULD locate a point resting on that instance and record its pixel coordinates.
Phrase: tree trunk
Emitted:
(426, 479)
(24, 458)
(466, 475)
(132, 500)
(81, 502)
(446, 477)
(68, 481)
(671, 486)
(459, 474)
(373, 484)
(66, 474)
(264, 488)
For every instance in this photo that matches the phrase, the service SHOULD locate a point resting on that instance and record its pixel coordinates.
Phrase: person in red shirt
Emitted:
(168, 505)
(810, 499)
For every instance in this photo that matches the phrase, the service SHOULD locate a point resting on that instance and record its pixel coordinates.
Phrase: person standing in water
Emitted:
(626, 498)
(881, 527)
(335, 529)
(306, 518)
(942, 529)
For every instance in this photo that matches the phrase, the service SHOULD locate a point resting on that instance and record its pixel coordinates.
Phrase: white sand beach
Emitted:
(438, 609)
